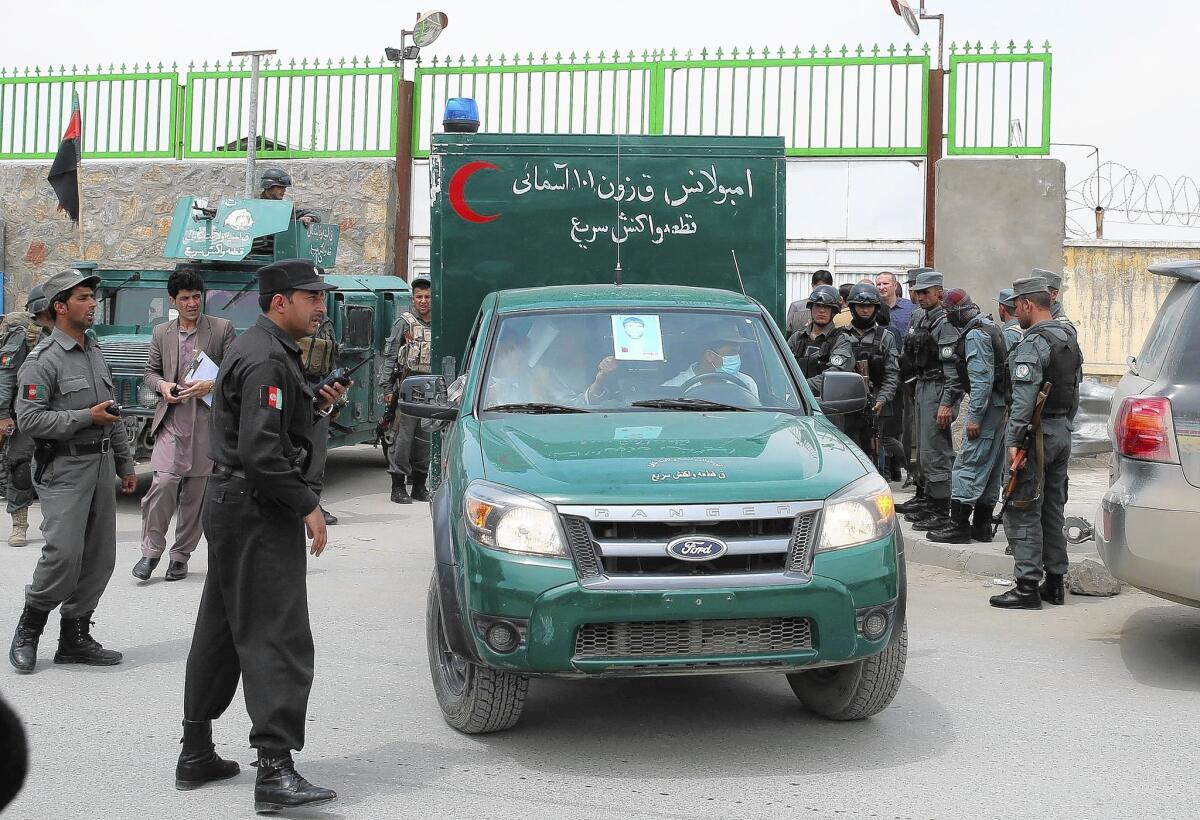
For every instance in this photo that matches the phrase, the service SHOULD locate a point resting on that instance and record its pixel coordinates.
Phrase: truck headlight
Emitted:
(506, 519)
(861, 512)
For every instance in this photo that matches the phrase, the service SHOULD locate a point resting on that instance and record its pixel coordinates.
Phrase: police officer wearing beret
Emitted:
(64, 404)
(253, 621)
(1033, 522)
(18, 447)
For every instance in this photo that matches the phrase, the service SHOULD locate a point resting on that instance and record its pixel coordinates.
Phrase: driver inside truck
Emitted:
(721, 354)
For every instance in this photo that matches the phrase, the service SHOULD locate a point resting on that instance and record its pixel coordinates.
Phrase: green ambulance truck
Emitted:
(634, 477)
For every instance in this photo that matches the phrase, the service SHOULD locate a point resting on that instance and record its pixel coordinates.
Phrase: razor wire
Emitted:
(1134, 198)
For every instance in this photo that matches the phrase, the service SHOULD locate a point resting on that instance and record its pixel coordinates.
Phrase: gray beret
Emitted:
(1028, 285)
(927, 278)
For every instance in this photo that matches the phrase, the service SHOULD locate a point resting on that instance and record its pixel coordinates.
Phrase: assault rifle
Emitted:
(1021, 458)
(389, 412)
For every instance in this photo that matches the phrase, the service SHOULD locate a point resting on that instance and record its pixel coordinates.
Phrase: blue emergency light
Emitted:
(461, 116)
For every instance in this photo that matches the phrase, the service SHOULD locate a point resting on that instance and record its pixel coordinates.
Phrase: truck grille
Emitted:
(637, 639)
(126, 358)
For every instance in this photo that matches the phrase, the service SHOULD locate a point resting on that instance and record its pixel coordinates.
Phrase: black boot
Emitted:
(917, 503)
(76, 644)
(1053, 590)
(23, 652)
(199, 762)
(399, 492)
(330, 518)
(419, 492)
(1023, 596)
(981, 523)
(144, 568)
(280, 787)
(959, 531)
(936, 517)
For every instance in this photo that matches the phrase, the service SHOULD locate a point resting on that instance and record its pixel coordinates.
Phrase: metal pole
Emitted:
(933, 135)
(252, 132)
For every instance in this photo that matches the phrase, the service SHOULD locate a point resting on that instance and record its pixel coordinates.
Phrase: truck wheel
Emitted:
(474, 699)
(856, 690)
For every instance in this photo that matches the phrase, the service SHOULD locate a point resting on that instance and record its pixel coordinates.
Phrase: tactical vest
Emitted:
(921, 348)
(1062, 370)
(415, 355)
(872, 353)
(813, 354)
(1001, 386)
(23, 320)
(317, 354)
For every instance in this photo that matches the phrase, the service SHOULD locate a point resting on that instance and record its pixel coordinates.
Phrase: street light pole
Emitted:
(252, 132)
(933, 135)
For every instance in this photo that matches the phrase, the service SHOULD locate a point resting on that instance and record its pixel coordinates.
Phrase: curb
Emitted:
(986, 560)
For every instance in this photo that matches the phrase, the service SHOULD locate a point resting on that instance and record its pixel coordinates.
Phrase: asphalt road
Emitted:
(1088, 710)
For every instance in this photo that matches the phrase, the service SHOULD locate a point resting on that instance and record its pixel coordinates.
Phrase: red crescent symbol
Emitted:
(458, 182)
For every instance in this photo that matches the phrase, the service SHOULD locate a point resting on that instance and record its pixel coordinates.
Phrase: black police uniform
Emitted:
(253, 621)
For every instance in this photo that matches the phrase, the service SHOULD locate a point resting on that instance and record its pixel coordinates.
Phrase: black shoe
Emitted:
(330, 518)
(936, 516)
(199, 762)
(23, 652)
(1023, 596)
(419, 492)
(399, 491)
(959, 530)
(76, 644)
(981, 523)
(917, 503)
(144, 568)
(1053, 590)
(279, 787)
(176, 570)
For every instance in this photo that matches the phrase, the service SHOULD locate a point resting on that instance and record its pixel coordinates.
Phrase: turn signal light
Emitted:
(1145, 429)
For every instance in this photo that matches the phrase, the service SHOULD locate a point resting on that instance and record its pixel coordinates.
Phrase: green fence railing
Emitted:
(823, 102)
(347, 109)
(999, 101)
(129, 112)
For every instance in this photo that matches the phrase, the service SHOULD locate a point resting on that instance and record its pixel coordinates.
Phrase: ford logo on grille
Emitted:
(696, 548)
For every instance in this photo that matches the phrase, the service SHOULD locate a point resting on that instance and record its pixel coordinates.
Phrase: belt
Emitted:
(82, 448)
(1061, 415)
(225, 471)
(940, 377)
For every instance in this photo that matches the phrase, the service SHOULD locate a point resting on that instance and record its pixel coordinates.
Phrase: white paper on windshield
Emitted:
(637, 338)
(204, 369)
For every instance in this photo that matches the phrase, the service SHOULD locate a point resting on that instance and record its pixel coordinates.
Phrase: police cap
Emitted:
(64, 281)
(926, 279)
(1008, 299)
(1029, 285)
(911, 277)
(292, 274)
(1053, 280)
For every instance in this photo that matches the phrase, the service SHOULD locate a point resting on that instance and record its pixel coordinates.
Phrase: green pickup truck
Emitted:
(634, 477)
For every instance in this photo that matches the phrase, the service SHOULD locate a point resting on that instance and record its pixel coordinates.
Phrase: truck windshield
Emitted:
(633, 360)
(141, 306)
(238, 305)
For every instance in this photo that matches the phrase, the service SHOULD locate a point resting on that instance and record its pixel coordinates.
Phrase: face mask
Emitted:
(731, 364)
(861, 322)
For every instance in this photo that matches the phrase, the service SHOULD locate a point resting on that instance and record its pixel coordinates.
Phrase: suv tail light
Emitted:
(1144, 429)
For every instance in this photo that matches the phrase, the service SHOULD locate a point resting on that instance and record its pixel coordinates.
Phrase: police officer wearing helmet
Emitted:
(821, 346)
(908, 390)
(930, 347)
(876, 358)
(406, 353)
(65, 404)
(274, 183)
(981, 369)
(253, 620)
(22, 331)
(1033, 521)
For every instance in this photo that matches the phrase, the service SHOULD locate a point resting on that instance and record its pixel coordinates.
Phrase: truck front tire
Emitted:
(856, 690)
(474, 699)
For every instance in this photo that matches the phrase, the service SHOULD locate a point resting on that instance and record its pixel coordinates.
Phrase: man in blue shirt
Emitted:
(900, 310)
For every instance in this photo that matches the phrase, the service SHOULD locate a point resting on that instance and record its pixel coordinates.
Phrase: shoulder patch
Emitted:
(34, 392)
(270, 396)
(837, 360)
(947, 351)
(1023, 372)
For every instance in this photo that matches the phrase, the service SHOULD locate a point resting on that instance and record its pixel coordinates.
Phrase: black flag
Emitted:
(64, 170)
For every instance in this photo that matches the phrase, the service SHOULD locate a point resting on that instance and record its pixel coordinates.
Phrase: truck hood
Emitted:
(668, 457)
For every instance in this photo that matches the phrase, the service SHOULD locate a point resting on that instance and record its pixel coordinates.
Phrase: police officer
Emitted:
(1033, 522)
(930, 347)
(63, 404)
(908, 392)
(1054, 283)
(253, 619)
(18, 447)
(274, 183)
(981, 369)
(821, 346)
(1008, 317)
(876, 358)
(407, 352)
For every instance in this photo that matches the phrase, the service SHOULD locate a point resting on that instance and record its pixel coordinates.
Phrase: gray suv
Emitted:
(1148, 524)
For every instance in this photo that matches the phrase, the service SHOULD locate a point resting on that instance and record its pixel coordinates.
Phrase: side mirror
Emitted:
(425, 398)
(841, 393)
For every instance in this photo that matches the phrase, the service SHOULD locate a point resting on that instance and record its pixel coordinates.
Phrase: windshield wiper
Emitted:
(238, 295)
(534, 407)
(686, 404)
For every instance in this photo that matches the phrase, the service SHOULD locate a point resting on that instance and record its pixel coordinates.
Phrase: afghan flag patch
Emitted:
(270, 396)
(5, 359)
(34, 392)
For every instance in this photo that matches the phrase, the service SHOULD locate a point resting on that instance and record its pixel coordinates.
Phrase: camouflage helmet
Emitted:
(36, 302)
(863, 294)
(824, 296)
(275, 176)
(960, 308)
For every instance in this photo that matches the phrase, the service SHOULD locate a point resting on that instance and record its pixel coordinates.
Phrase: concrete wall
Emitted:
(127, 208)
(1113, 299)
(996, 219)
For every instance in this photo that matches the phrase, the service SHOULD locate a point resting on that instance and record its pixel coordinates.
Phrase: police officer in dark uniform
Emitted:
(274, 183)
(821, 346)
(1033, 522)
(875, 357)
(253, 620)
